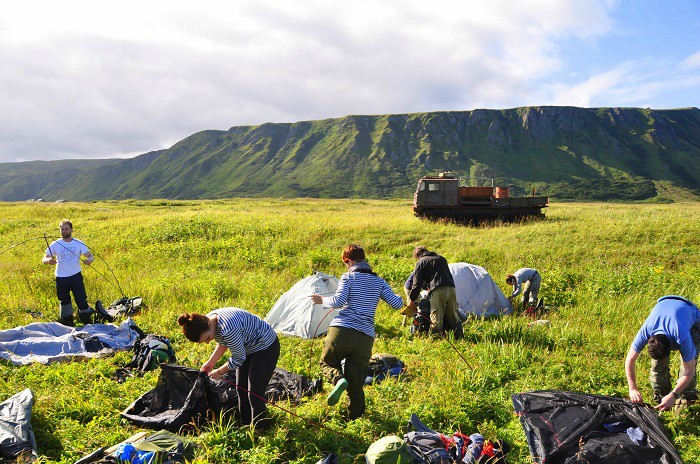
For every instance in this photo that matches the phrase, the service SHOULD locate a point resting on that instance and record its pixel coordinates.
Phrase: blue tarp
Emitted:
(49, 342)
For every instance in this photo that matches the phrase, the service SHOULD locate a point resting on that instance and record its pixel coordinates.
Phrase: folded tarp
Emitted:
(185, 398)
(16, 434)
(574, 428)
(49, 342)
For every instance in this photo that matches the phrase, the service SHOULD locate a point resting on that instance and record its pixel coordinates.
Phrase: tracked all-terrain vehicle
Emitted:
(441, 196)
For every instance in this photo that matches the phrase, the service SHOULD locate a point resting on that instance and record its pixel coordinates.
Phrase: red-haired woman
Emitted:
(351, 333)
(254, 352)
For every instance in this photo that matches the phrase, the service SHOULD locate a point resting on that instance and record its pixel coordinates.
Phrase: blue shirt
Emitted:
(357, 295)
(242, 333)
(672, 316)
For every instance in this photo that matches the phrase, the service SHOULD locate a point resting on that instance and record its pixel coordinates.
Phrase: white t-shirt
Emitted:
(68, 256)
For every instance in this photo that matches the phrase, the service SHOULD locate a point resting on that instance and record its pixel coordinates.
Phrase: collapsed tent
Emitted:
(186, 398)
(295, 314)
(477, 293)
(574, 428)
(48, 342)
(16, 434)
(183, 399)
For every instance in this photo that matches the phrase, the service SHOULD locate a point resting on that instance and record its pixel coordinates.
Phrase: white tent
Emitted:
(477, 293)
(295, 314)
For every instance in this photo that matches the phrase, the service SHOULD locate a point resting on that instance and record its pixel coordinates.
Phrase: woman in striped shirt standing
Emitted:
(254, 352)
(351, 333)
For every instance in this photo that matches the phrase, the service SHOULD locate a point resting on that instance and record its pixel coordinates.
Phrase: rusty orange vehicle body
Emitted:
(441, 196)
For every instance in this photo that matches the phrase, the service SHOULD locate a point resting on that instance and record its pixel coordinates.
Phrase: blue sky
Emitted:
(85, 79)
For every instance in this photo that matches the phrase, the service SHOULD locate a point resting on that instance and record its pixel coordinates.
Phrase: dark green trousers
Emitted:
(346, 353)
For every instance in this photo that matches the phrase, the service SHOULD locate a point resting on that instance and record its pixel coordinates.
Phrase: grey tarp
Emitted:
(16, 434)
(48, 342)
(576, 428)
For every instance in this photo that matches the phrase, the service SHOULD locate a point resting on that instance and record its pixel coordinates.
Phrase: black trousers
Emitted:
(254, 375)
(74, 283)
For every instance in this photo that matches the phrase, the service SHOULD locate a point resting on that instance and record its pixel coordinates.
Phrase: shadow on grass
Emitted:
(48, 444)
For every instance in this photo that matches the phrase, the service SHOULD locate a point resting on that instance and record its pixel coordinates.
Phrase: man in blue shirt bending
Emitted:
(673, 324)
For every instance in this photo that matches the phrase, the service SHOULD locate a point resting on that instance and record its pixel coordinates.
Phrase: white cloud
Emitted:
(691, 63)
(90, 79)
(631, 83)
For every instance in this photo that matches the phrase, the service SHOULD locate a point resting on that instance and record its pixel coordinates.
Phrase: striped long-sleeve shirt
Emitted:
(242, 333)
(357, 295)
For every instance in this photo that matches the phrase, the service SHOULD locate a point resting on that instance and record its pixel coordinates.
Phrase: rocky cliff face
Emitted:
(566, 152)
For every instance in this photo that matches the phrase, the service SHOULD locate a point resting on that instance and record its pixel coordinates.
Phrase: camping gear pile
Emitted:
(423, 445)
(125, 307)
(121, 308)
(160, 447)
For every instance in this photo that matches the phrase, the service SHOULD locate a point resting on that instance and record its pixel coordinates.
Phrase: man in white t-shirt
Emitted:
(66, 253)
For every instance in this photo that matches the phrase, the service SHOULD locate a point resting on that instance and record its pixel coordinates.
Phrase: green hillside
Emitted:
(567, 153)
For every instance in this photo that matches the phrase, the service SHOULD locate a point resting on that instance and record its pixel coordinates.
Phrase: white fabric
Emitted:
(67, 256)
(477, 293)
(295, 314)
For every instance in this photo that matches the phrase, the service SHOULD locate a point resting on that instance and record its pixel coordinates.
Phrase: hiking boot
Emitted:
(338, 390)
(459, 331)
(67, 321)
(85, 315)
(540, 304)
(263, 425)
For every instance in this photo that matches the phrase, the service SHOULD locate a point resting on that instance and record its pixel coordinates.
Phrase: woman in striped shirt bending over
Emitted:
(254, 352)
(351, 333)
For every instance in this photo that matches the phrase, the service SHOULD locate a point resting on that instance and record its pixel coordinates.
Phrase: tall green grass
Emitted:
(603, 267)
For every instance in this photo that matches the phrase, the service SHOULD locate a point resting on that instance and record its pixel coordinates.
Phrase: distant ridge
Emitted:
(568, 153)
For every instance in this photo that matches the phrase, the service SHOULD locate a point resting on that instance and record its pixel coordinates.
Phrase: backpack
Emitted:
(150, 352)
(429, 447)
(389, 450)
(383, 365)
(421, 320)
(123, 307)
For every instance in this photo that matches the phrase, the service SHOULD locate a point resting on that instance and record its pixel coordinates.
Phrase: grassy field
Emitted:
(603, 267)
